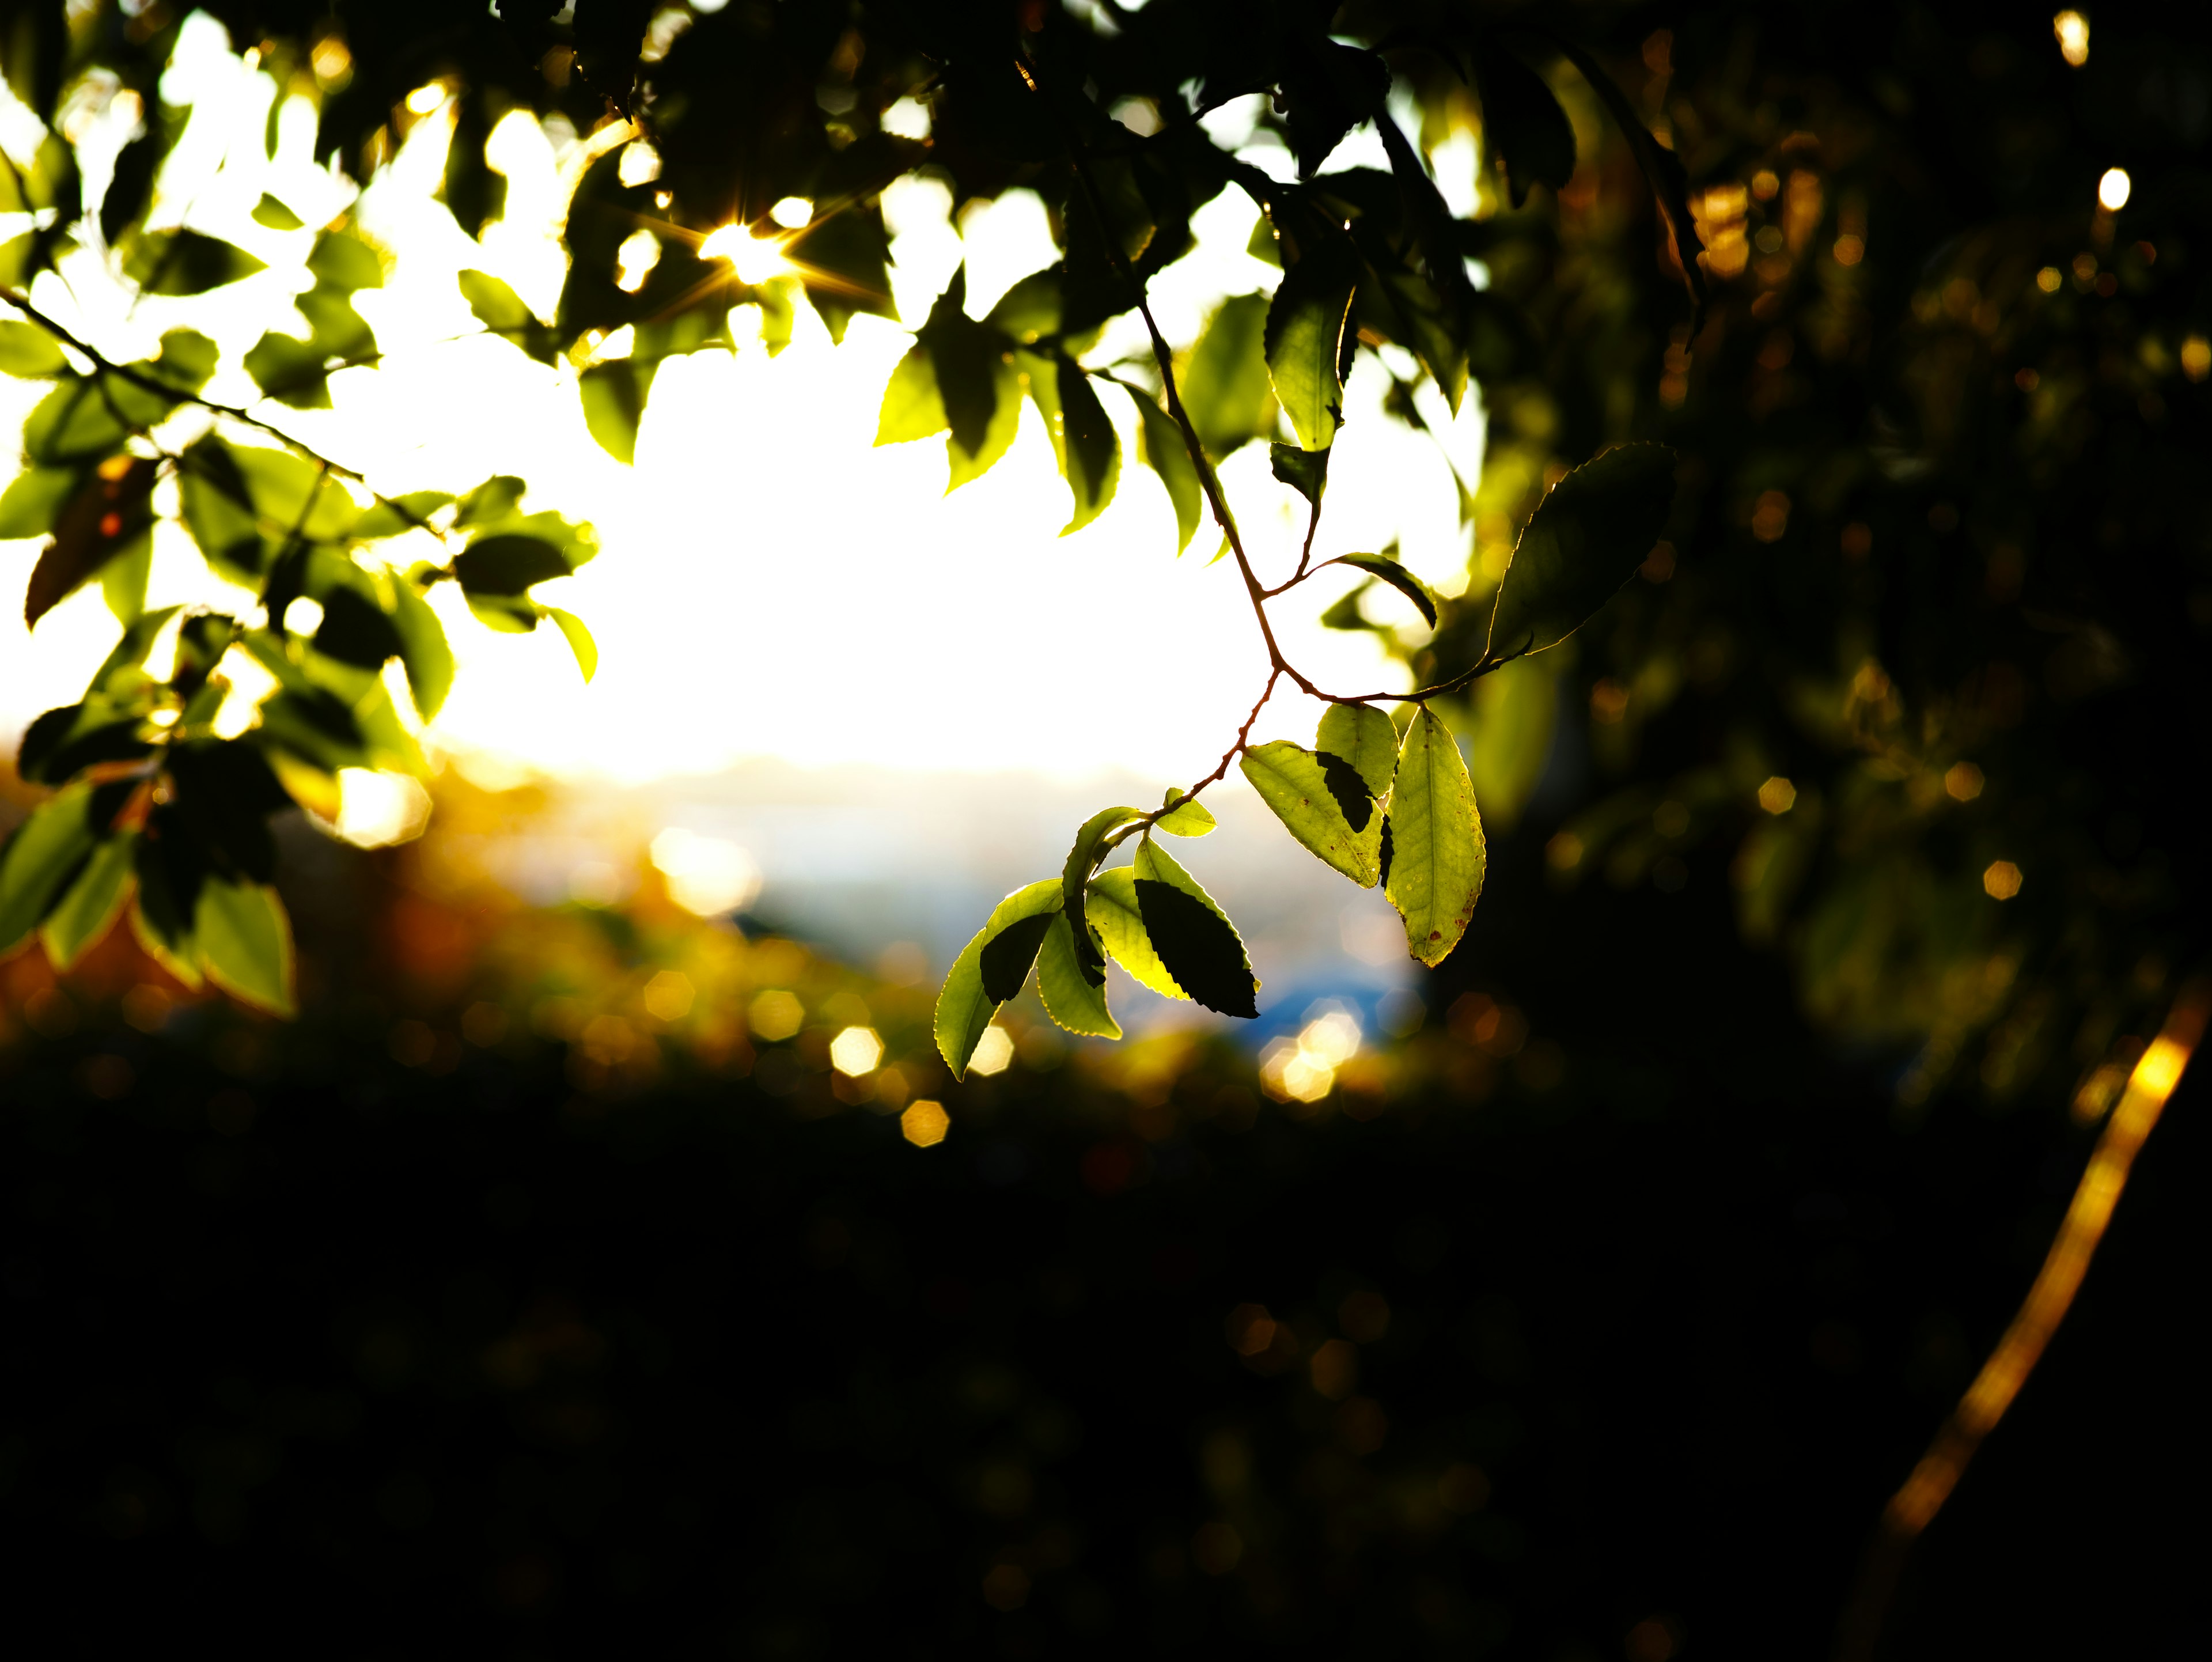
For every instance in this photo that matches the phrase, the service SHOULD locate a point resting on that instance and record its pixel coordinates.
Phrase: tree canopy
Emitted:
(1850, 488)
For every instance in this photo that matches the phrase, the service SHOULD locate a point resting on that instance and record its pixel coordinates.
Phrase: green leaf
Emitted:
(1344, 612)
(1436, 854)
(91, 904)
(33, 503)
(1160, 447)
(182, 263)
(1323, 802)
(1586, 540)
(1065, 980)
(355, 630)
(171, 869)
(74, 423)
(1363, 736)
(276, 216)
(124, 577)
(1524, 130)
(502, 311)
(1376, 565)
(970, 998)
(29, 351)
(1305, 472)
(105, 521)
(424, 652)
(395, 516)
(999, 432)
(493, 500)
(292, 371)
(1512, 725)
(911, 408)
(1193, 819)
(1198, 946)
(1305, 336)
(508, 564)
(579, 638)
(1111, 905)
(1090, 451)
(187, 358)
(344, 260)
(1083, 859)
(45, 852)
(1226, 390)
(244, 943)
(614, 393)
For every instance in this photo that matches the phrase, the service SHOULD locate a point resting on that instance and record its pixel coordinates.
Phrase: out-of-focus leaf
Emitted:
(502, 311)
(183, 262)
(245, 943)
(472, 193)
(911, 408)
(290, 370)
(131, 185)
(124, 579)
(1322, 801)
(356, 631)
(105, 520)
(1363, 736)
(424, 652)
(490, 501)
(171, 870)
(1436, 854)
(1663, 171)
(1184, 817)
(1524, 130)
(1375, 565)
(970, 997)
(32, 504)
(342, 259)
(1226, 390)
(1072, 997)
(614, 393)
(90, 905)
(395, 516)
(1326, 89)
(42, 854)
(276, 216)
(76, 422)
(1510, 733)
(1161, 448)
(1110, 904)
(1585, 540)
(224, 791)
(29, 351)
(998, 432)
(579, 638)
(1303, 337)
(507, 565)
(1197, 946)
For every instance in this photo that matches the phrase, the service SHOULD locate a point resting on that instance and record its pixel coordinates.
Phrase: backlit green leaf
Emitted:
(1088, 449)
(614, 393)
(180, 263)
(1072, 997)
(970, 997)
(1160, 447)
(1197, 946)
(29, 351)
(44, 851)
(507, 565)
(1322, 800)
(911, 408)
(579, 638)
(244, 943)
(1436, 854)
(1226, 392)
(31, 504)
(1515, 715)
(1305, 472)
(92, 904)
(424, 652)
(1586, 540)
(999, 431)
(1304, 336)
(1111, 907)
(1191, 818)
(1363, 736)
(502, 311)
(275, 215)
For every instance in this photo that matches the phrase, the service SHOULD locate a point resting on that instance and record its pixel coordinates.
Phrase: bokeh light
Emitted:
(856, 1052)
(2112, 190)
(2002, 880)
(378, 810)
(992, 1052)
(924, 1122)
(2072, 31)
(707, 876)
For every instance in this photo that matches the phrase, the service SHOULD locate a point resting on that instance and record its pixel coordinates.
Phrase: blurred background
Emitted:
(604, 1257)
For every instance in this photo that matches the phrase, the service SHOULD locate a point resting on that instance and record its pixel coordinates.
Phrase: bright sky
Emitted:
(770, 584)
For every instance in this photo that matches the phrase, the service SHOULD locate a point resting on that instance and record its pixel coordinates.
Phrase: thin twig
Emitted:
(1914, 1505)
